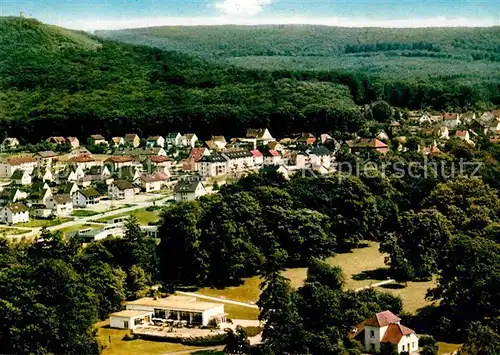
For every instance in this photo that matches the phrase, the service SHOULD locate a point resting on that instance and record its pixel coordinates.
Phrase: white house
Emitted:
(261, 135)
(153, 182)
(129, 319)
(155, 141)
(8, 167)
(189, 140)
(219, 142)
(98, 139)
(272, 157)
(10, 143)
(21, 177)
(187, 190)
(494, 126)
(238, 160)
(451, 120)
(320, 157)
(173, 139)
(14, 213)
(385, 327)
(213, 165)
(117, 141)
(132, 139)
(121, 190)
(46, 158)
(61, 205)
(86, 197)
(258, 157)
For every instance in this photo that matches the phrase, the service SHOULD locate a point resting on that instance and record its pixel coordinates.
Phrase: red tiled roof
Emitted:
(367, 143)
(395, 332)
(382, 319)
(461, 133)
(450, 116)
(256, 153)
(274, 153)
(21, 160)
(197, 153)
(120, 159)
(159, 159)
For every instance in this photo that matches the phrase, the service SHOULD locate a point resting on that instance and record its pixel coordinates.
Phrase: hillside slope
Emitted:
(59, 82)
(408, 67)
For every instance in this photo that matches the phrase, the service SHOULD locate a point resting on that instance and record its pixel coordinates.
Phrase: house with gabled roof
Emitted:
(213, 165)
(132, 139)
(8, 167)
(219, 141)
(98, 139)
(155, 141)
(13, 213)
(258, 157)
(173, 139)
(73, 142)
(119, 161)
(86, 197)
(121, 190)
(56, 140)
(189, 190)
(45, 158)
(39, 195)
(157, 163)
(365, 144)
(189, 140)
(60, 205)
(306, 138)
(117, 141)
(385, 327)
(272, 157)
(21, 177)
(12, 195)
(9, 143)
(83, 162)
(451, 120)
(153, 182)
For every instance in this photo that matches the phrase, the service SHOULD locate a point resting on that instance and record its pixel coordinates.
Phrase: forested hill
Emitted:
(59, 82)
(407, 67)
(309, 40)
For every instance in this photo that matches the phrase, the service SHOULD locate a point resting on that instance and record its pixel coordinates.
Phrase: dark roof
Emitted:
(90, 192)
(17, 207)
(47, 154)
(382, 319)
(123, 184)
(213, 158)
(131, 136)
(172, 135)
(238, 154)
(18, 174)
(320, 151)
(255, 133)
(64, 198)
(187, 186)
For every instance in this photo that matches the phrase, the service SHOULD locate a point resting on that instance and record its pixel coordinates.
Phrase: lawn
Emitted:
(143, 216)
(12, 231)
(76, 228)
(447, 348)
(39, 223)
(133, 347)
(362, 267)
(83, 213)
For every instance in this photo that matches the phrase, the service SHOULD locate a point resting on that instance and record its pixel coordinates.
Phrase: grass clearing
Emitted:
(143, 216)
(76, 228)
(12, 231)
(447, 348)
(133, 347)
(40, 223)
(362, 267)
(84, 213)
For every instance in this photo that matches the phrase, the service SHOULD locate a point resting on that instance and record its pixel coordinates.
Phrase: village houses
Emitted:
(189, 190)
(86, 197)
(155, 141)
(132, 139)
(22, 163)
(14, 213)
(121, 190)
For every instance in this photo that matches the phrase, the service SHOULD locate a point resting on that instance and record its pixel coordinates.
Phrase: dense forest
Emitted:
(406, 67)
(56, 81)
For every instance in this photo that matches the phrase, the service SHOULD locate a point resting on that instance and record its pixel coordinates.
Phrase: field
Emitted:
(83, 213)
(40, 223)
(117, 346)
(76, 228)
(143, 216)
(447, 348)
(362, 267)
(12, 231)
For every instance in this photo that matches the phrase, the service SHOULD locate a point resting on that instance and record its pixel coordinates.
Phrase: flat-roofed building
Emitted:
(129, 319)
(180, 308)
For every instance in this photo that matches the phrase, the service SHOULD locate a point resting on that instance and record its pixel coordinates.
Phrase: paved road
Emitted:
(222, 300)
(375, 285)
(83, 220)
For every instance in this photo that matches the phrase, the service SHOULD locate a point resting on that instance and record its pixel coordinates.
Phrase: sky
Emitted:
(117, 14)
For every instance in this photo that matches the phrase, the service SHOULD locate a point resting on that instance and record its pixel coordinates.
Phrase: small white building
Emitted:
(451, 120)
(129, 319)
(61, 205)
(187, 190)
(14, 213)
(121, 190)
(173, 139)
(86, 197)
(258, 157)
(189, 140)
(153, 182)
(21, 177)
(238, 160)
(46, 158)
(175, 308)
(25, 163)
(385, 327)
(155, 141)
